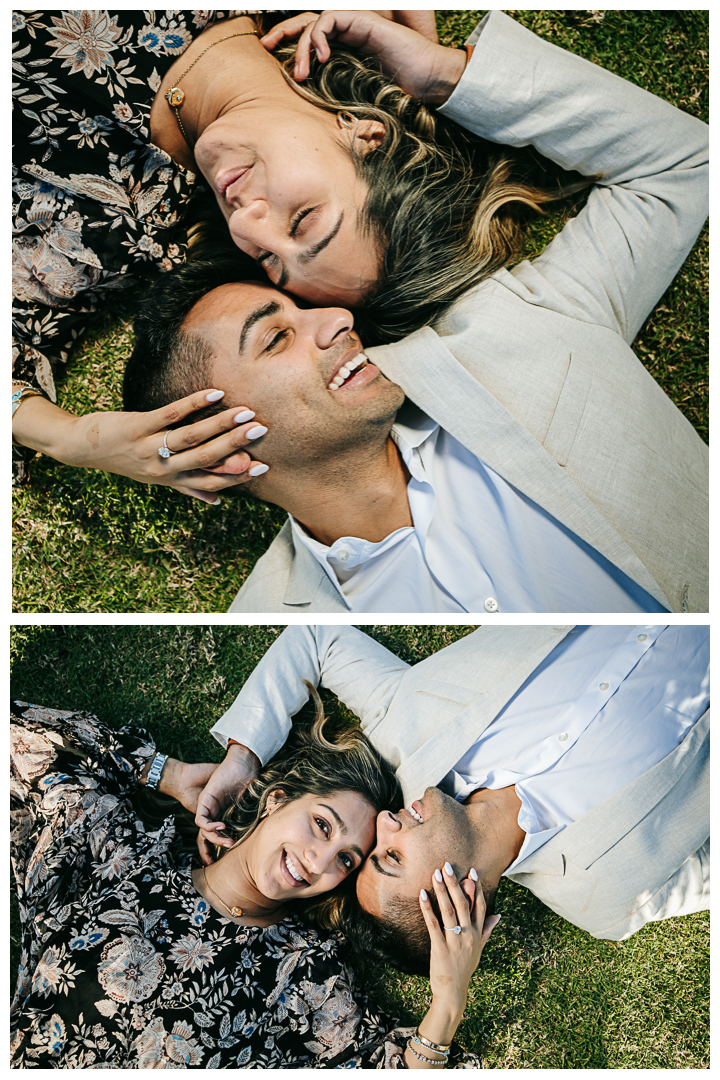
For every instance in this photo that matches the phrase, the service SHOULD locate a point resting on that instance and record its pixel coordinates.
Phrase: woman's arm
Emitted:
(128, 443)
(453, 959)
(418, 64)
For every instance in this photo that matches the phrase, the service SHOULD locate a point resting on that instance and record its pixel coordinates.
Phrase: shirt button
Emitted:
(491, 604)
(642, 637)
(604, 685)
(563, 737)
(342, 555)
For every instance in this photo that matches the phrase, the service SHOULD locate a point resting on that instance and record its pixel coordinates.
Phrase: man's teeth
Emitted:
(415, 814)
(347, 369)
(293, 869)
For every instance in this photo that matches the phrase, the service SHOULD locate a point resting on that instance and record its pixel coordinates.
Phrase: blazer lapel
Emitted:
(435, 381)
(309, 586)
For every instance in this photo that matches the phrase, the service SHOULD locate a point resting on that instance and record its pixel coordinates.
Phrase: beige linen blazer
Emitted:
(609, 873)
(532, 370)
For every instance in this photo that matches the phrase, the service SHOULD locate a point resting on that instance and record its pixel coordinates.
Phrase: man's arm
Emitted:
(362, 673)
(355, 667)
(612, 262)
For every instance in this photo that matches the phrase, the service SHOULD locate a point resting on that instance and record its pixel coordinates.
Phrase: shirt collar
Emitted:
(415, 434)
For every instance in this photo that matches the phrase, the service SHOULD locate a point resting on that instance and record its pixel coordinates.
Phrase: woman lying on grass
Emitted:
(133, 959)
(342, 187)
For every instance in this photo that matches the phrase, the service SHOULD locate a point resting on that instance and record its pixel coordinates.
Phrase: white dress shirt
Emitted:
(605, 705)
(476, 544)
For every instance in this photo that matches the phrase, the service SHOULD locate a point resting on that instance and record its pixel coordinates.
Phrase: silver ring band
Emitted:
(165, 451)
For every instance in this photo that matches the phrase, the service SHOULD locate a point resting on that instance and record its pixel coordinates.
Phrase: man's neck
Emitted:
(494, 813)
(363, 494)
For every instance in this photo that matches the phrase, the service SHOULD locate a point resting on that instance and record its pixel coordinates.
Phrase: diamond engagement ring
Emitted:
(165, 451)
(457, 929)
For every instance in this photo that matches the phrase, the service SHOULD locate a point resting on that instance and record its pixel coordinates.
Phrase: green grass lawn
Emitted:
(546, 995)
(92, 542)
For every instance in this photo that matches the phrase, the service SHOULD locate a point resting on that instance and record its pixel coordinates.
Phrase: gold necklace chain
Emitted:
(175, 96)
(236, 912)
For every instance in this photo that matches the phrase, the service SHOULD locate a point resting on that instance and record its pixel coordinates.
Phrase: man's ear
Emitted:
(233, 465)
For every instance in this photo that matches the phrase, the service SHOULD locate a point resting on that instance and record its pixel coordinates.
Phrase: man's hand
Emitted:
(227, 783)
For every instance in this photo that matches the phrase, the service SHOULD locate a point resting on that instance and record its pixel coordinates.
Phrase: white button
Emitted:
(604, 685)
(491, 604)
(642, 637)
(342, 555)
(563, 737)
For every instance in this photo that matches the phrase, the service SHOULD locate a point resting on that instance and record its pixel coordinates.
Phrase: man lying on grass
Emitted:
(516, 456)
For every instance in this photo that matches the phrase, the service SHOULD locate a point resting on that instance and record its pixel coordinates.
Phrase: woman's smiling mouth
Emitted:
(231, 179)
(292, 871)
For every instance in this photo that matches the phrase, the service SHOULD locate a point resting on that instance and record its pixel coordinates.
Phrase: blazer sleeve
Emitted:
(362, 673)
(613, 261)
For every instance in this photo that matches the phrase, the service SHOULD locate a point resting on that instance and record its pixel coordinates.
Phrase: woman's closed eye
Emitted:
(393, 855)
(304, 218)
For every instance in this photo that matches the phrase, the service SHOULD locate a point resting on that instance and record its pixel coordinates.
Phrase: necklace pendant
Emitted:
(175, 97)
(236, 912)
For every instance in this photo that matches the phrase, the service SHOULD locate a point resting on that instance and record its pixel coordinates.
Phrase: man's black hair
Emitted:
(398, 937)
(168, 363)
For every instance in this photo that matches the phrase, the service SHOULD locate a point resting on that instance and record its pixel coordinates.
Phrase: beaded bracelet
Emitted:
(429, 1061)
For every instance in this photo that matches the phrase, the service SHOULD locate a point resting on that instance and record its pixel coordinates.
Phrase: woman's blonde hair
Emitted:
(445, 208)
(316, 761)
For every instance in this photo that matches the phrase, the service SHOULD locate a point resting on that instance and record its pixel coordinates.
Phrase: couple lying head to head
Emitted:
(346, 189)
(323, 827)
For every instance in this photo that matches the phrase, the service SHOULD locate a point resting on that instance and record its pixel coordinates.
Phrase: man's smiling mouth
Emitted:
(348, 369)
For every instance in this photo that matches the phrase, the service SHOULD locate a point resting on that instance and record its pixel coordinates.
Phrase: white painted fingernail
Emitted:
(258, 470)
(256, 432)
(448, 869)
(217, 501)
(244, 416)
(438, 876)
(215, 395)
(423, 894)
(473, 873)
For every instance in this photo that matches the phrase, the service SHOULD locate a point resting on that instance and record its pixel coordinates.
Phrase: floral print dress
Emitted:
(124, 964)
(95, 204)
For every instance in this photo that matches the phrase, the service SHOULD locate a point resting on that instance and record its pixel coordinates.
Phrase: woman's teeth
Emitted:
(414, 814)
(347, 369)
(293, 870)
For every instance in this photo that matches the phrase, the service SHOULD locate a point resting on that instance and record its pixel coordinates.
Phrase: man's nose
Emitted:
(388, 824)
(327, 326)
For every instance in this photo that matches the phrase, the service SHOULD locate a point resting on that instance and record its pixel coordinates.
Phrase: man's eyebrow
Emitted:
(380, 868)
(271, 308)
(343, 830)
(306, 256)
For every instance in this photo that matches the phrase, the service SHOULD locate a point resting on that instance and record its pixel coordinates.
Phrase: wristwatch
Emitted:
(153, 777)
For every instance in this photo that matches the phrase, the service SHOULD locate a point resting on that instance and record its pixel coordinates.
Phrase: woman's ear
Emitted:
(365, 135)
(275, 799)
(370, 134)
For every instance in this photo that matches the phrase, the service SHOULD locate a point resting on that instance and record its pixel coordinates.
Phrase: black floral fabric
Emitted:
(124, 964)
(95, 204)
